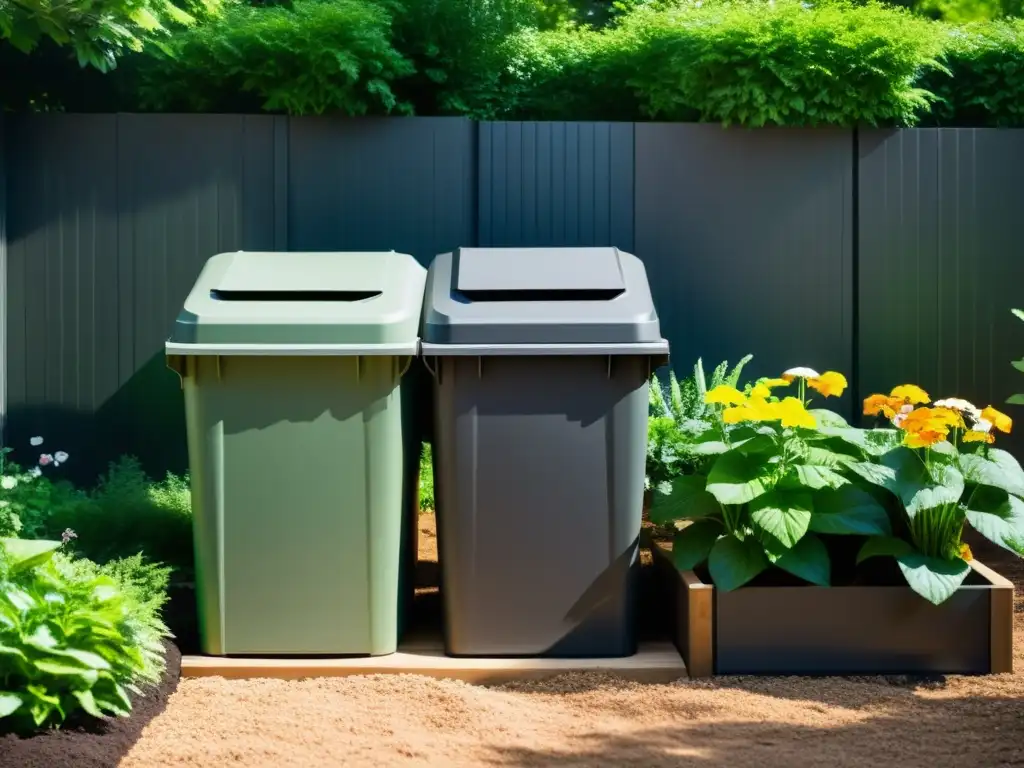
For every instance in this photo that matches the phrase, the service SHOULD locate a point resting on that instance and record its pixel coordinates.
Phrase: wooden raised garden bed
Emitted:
(808, 630)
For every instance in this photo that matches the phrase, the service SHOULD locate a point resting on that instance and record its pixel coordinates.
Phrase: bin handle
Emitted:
(405, 368)
(426, 364)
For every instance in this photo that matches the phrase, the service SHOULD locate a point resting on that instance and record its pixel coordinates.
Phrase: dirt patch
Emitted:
(89, 743)
(595, 720)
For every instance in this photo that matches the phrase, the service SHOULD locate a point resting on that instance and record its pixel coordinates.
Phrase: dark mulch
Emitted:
(87, 743)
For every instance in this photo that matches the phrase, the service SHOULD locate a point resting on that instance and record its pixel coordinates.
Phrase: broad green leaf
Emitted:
(28, 553)
(8, 650)
(1018, 313)
(757, 445)
(88, 702)
(691, 545)
(916, 487)
(1015, 400)
(849, 510)
(1018, 364)
(873, 442)
(733, 563)
(784, 515)
(814, 477)
(686, 499)
(998, 516)
(934, 579)
(737, 479)
(827, 418)
(66, 670)
(884, 546)
(10, 703)
(876, 474)
(999, 470)
(809, 560)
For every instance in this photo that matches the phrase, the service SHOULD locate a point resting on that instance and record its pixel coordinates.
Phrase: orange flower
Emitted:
(999, 420)
(876, 404)
(829, 384)
(924, 420)
(965, 553)
(948, 417)
(973, 436)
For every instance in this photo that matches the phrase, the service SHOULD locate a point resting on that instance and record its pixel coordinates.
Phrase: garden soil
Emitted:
(594, 720)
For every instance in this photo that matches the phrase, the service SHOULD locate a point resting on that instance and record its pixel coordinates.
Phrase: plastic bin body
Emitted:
(303, 460)
(539, 458)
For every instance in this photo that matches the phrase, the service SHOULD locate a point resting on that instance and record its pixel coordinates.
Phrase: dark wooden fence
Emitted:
(893, 256)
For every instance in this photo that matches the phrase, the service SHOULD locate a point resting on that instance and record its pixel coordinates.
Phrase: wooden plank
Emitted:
(1001, 618)
(654, 663)
(692, 620)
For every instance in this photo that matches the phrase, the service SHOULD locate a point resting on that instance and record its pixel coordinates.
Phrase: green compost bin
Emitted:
(303, 449)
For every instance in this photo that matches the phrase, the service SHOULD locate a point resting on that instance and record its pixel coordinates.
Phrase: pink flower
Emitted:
(45, 459)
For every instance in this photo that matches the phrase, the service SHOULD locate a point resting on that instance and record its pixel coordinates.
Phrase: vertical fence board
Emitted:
(557, 184)
(747, 239)
(401, 184)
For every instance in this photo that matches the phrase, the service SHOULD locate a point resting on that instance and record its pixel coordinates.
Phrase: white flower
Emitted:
(8, 482)
(35, 472)
(60, 457)
(983, 425)
(957, 404)
(35, 441)
(801, 373)
(905, 409)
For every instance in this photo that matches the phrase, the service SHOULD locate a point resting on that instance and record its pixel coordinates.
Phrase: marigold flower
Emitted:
(923, 439)
(999, 420)
(881, 404)
(924, 419)
(949, 418)
(725, 395)
(761, 391)
(800, 373)
(829, 384)
(910, 393)
(974, 436)
(793, 414)
(773, 383)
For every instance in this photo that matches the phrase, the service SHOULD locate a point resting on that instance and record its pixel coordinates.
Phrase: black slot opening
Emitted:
(293, 295)
(559, 294)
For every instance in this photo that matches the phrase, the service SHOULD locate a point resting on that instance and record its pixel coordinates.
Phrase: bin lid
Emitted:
(550, 299)
(333, 303)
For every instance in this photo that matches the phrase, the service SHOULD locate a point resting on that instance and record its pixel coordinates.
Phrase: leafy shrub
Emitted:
(426, 478)
(126, 514)
(74, 636)
(987, 84)
(786, 63)
(26, 495)
(314, 57)
(459, 52)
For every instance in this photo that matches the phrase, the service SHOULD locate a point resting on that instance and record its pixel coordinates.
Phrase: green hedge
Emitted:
(732, 61)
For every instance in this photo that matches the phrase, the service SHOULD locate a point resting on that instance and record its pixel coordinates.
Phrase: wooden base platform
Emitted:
(655, 663)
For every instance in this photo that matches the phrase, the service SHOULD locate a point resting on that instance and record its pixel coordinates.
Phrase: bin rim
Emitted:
(654, 349)
(399, 349)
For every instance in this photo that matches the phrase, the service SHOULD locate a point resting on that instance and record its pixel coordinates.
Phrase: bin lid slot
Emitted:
(539, 274)
(292, 295)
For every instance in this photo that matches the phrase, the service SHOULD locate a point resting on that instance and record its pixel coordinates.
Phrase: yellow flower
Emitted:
(829, 384)
(999, 420)
(923, 439)
(761, 391)
(965, 553)
(910, 394)
(948, 418)
(725, 395)
(773, 383)
(793, 414)
(978, 437)
(876, 404)
(736, 414)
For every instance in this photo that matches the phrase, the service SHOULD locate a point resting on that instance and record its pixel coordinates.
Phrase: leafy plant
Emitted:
(944, 473)
(25, 494)
(986, 62)
(770, 481)
(73, 636)
(783, 63)
(1018, 364)
(314, 57)
(127, 514)
(678, 412)
(427, 501)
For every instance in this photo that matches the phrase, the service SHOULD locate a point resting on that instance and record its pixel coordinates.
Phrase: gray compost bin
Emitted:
(541, 359)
